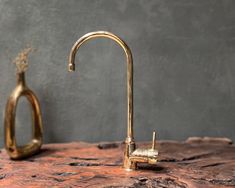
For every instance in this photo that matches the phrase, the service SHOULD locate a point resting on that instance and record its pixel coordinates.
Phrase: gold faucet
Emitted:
(14, 151)
(132, 156)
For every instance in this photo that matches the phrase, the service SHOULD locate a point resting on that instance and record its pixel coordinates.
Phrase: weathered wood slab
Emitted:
(197, 162)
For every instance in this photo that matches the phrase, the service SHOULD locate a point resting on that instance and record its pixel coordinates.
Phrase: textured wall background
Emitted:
(184, 67)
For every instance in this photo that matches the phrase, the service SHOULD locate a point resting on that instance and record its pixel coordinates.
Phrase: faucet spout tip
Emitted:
(71, 67)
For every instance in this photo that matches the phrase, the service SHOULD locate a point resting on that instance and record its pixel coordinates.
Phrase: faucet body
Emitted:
(131, 155)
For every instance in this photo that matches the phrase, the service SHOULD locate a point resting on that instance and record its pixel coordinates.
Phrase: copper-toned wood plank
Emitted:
(198, 162)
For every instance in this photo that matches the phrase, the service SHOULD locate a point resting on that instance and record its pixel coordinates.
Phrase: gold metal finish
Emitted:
(132, 156)
(14, 151)
(154, 140)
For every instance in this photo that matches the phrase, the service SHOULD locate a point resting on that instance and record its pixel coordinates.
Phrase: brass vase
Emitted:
(14, 151)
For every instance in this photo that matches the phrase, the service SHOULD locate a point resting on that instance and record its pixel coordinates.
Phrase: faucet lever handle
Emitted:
(154, 141)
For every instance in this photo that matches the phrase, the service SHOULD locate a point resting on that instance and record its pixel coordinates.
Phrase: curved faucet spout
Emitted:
(105, 34)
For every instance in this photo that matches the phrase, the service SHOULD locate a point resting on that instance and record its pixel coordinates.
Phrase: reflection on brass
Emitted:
(14, 151)
(132, 156)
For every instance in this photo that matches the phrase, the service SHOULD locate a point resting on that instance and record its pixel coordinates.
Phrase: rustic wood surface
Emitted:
(197, 162)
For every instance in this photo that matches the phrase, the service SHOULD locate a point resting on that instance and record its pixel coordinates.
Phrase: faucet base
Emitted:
(129, 148)
(133, 156)
(130, 165)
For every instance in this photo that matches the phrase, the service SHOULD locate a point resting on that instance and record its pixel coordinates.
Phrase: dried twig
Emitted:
(21, 60)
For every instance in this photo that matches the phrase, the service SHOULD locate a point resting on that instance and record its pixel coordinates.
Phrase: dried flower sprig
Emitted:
(21, 60)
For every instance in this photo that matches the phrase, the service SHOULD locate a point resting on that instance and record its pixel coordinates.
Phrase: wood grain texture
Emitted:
(197, 162)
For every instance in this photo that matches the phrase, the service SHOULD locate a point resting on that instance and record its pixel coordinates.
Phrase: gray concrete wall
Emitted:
(184, 67)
